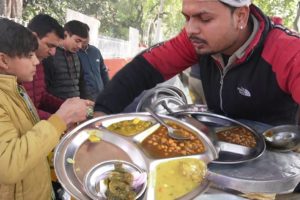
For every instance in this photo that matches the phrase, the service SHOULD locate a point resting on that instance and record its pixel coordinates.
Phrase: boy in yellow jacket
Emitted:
(25, 141)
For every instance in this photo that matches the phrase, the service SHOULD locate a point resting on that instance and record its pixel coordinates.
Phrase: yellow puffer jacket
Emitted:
(24, 146)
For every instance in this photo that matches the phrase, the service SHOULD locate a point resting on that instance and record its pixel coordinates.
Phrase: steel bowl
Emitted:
(92, 179)
(171, 95)
(283, 138)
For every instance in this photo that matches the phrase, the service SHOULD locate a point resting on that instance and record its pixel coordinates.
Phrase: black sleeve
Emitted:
(137, 76)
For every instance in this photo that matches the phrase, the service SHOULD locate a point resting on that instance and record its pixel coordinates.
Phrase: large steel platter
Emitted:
(75, 146)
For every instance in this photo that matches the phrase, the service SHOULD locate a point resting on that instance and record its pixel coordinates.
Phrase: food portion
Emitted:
(129, 127)
(160, 145)
(238, 135)
(119, 184)
(269, 134)
(178, 177)
(95, 135)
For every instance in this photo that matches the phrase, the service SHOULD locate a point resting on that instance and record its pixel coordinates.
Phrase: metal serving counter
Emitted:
(271, 173)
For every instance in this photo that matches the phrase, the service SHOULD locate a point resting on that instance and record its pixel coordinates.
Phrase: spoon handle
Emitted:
(153, 114)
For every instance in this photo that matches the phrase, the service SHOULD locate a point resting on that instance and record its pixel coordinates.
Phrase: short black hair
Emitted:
(15, 39)
(43, 24)
(78, 28)
(87, 27)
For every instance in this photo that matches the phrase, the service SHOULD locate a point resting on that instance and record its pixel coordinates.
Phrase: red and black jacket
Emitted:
(263, 85)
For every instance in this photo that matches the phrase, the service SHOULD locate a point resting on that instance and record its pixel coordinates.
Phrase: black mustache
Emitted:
(197, 40)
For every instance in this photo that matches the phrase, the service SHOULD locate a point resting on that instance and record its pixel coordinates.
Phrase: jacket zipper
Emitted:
(31, 114)
(223, 72)
(221, 87)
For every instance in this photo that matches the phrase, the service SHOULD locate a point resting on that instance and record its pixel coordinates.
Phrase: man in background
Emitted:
(63, 71)
(49, 33)
(94, 71)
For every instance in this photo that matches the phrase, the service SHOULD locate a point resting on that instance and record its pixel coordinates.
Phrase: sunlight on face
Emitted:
(47, 45)
(210, 26)
(74, 43)
(23, 68)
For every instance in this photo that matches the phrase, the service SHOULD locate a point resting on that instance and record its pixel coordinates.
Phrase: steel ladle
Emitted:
(173, 133)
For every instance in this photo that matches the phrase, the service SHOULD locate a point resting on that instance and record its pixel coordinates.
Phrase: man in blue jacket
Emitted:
(95, 73)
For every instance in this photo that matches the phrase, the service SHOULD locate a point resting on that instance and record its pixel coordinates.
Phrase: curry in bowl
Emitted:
(237, 135)
(160, 145)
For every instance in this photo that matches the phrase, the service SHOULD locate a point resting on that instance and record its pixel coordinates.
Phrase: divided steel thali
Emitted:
(231, 162)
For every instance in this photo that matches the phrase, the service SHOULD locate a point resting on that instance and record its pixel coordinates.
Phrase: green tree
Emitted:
(55, 8)
(286, 9)
(116, 16)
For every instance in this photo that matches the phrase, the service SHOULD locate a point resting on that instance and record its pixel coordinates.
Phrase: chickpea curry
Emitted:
(129, 127)
(237, 135)
(160, 145)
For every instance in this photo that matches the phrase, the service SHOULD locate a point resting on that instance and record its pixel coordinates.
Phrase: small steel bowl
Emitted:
(97, 173)
(283, 138)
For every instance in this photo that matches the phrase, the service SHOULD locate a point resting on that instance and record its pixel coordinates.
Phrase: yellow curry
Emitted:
(129, 127)
(178, 177)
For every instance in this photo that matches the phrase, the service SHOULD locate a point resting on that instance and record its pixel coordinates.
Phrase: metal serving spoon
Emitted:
(173, 133)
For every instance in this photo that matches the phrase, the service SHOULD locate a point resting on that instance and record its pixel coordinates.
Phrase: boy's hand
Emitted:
(74, 110)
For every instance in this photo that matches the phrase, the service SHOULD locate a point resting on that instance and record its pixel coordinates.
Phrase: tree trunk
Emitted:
(11, 8)
(297, 19)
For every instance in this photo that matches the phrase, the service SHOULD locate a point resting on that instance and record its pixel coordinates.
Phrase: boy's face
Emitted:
(73, 43)
(47, 45)
(23, 68)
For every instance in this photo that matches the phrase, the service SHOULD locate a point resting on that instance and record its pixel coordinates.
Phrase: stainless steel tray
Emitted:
(76, 147)
(226, 155)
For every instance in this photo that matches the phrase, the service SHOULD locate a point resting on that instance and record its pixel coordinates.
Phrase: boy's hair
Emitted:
(43, 24)
(15, 39)
(78, 28)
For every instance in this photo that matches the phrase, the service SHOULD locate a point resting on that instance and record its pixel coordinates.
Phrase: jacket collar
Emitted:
(261, 33)
(8, 83)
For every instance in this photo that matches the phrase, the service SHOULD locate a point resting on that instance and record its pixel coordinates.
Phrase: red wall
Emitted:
(115, 64)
